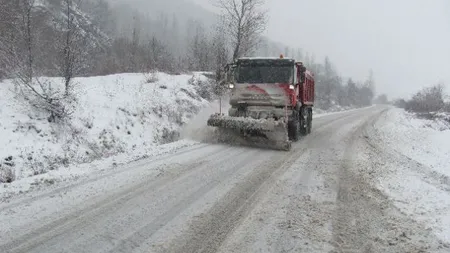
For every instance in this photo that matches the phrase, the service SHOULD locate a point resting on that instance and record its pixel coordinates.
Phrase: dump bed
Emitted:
(306, 91)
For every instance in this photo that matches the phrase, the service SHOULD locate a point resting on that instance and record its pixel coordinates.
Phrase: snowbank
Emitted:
(319, 113)
(425, 141)
(125, 114)
(335, 108)
(417, 170)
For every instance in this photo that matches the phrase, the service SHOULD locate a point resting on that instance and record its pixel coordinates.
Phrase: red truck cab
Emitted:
(273, 88)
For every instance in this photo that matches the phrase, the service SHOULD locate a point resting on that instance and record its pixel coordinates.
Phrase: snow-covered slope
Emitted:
(57, 10)
(127, 114)
(417, 170)
(182, 9)
(49, 36)
(114, 119)
(425, 141)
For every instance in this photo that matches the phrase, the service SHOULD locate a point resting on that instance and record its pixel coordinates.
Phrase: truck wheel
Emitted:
(310, 118)
(303, 122)
(293, 129)
(303, 130)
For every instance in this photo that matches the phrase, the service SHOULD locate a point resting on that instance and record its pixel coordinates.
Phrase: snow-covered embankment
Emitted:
(417, 172)
(114, 119)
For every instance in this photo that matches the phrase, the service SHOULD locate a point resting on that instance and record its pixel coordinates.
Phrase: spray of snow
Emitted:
(197, 129)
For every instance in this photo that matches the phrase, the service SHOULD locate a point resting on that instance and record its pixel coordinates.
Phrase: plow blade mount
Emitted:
(264, 133)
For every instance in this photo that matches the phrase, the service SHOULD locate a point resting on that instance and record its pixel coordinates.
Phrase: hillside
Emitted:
(182, 9)
(171, 20)
(123, 116)
(48, 29)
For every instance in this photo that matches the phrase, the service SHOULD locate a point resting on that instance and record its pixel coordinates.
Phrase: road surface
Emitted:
(320, 197)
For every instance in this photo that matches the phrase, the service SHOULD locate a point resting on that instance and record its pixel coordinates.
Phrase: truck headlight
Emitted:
(231, 86)
(291, 87)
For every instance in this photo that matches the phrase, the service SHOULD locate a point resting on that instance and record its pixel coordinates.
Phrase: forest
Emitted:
(72, 38)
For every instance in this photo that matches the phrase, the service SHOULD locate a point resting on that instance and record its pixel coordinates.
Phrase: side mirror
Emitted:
(301, 69)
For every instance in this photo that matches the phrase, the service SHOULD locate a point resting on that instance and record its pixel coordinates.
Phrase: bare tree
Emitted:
(134, 46)
(221, 55)
(21, 55)
(429, 99)
(27, 12)
(370, 82)
(8, 34)
(70, 44)
(17, 41)
(244, 21)
(21, 60)
(160, 58)
(199, 51)
(20, 50)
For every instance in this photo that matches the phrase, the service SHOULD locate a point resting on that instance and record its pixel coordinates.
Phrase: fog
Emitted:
(405, 42)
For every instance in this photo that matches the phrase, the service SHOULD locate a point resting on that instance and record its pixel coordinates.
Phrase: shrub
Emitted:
(7, 174)
(430, 99)
(208, 88)
(150, 77)
(400, 103)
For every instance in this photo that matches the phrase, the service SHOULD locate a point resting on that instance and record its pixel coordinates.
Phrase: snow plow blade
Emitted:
(263, 133)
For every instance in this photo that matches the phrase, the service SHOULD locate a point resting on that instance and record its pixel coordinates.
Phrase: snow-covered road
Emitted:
(323, 196)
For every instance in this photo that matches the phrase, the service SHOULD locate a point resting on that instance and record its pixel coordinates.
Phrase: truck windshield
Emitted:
(264, 74)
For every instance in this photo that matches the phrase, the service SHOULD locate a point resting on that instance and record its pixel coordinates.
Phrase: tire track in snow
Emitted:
(427, 174)
(287, 212)
(139, 237)
(207, 233)
(63, 231)
(84, 216)
(311, 201)
(357, 214)
(132, 165)
(365, 219)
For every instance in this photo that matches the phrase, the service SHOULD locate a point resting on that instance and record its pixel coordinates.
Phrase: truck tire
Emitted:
(303, 129)
(309, 124)
(293, 129)
(303, 125)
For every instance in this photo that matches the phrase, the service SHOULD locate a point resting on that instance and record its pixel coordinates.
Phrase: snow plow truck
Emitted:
(271, 102)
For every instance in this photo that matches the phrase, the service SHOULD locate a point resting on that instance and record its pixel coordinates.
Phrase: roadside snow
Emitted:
(426, 141)
(318, 113)
(333, 109)
(116, 118)
(416, 173)
(77, 171)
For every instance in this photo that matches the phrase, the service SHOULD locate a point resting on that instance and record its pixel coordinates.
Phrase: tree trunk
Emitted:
(29, 44)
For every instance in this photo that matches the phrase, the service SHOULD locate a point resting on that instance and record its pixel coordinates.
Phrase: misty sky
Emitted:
(405, 42)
